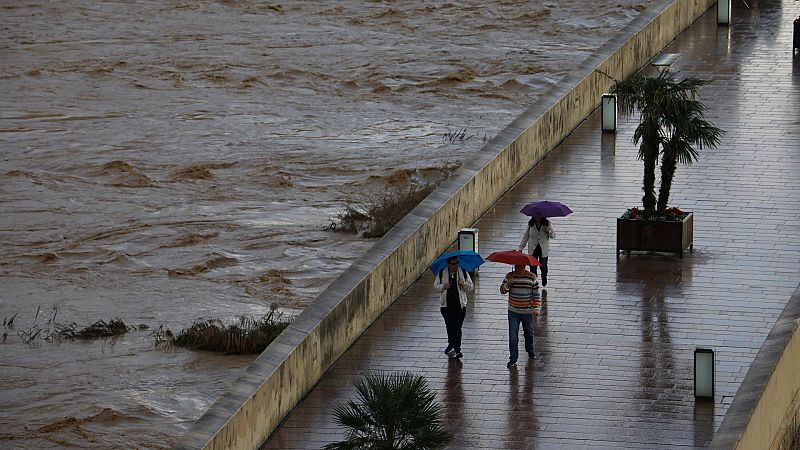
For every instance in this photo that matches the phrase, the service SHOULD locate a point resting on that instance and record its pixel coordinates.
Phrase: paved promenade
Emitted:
(616, 337)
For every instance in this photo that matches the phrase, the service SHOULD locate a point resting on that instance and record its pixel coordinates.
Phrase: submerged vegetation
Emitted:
(372, 213)
(246, 337)
(378, 213)
(461, 134)
(98, 330)
(53, 331)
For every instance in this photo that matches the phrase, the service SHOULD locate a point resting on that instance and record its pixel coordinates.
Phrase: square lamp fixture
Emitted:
(468, 239)
(704, 373)
(723, 12)
(664, 61)
(796, 35)
(608, 113)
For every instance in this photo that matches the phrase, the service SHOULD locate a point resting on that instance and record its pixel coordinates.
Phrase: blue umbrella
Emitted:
(467, 260)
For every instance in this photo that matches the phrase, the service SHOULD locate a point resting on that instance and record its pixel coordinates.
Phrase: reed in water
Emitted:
(377, 214)
(245, 337)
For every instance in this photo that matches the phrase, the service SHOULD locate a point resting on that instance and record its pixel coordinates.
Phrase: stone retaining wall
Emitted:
(767, 400)
(245, 416)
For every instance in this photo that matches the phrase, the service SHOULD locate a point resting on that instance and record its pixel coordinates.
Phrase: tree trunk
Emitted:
(668, 166)
(649, 182)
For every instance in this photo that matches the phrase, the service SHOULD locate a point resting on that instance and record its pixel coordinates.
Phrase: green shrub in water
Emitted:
(246, 337)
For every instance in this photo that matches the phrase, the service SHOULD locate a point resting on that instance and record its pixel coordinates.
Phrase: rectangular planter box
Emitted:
(655, 236)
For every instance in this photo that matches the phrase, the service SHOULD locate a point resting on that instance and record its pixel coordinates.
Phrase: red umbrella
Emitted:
(514, 257)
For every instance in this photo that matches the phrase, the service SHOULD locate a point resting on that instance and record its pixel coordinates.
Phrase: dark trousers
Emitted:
(537, 252)
(453, 320)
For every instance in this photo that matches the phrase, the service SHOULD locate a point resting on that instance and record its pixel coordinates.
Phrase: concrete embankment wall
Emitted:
(768, 400)
(245, 416)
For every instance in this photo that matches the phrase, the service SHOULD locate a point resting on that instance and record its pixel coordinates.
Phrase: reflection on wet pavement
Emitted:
(615, 341)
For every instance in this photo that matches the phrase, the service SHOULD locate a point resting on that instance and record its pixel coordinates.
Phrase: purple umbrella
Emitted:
(546, 208)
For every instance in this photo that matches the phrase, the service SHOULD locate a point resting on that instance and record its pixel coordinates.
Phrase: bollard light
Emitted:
(664, 61)
(608, 112)
(468, 239)
(796, 35)
(723, 12)
(704, 373)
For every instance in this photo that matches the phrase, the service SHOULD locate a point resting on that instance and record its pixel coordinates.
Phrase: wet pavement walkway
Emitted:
(616, 337)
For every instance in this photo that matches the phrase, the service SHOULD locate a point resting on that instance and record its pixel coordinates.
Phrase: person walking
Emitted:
(522, 288)
(453, 283)
(537, 237)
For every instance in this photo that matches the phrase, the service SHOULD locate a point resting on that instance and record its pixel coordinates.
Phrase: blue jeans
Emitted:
(514, 319)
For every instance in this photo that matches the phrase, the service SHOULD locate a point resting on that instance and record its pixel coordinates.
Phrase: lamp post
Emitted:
(704, 373)
(723, 12)
(608, 113)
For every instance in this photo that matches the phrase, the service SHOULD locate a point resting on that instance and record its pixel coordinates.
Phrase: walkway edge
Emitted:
(246, 415)
(760, 408)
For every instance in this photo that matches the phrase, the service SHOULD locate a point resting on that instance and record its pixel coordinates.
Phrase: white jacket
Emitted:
(541, 236)
(462, 291)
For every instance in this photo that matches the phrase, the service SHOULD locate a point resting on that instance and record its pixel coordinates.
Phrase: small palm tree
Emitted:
(670, 124)
(395, 412)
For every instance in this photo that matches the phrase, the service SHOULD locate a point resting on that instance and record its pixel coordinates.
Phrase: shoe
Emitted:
(511, 364)
(448, 350)
(531, 355)
(457, 355)
(544, 280)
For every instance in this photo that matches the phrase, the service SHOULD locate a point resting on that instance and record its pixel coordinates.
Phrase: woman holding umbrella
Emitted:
(537, 237)
(539, 231)
(453, 282)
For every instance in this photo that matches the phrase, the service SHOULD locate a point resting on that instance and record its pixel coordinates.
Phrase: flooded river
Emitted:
(165, 161)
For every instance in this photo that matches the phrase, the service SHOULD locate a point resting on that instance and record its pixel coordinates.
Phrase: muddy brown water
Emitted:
(167, 161)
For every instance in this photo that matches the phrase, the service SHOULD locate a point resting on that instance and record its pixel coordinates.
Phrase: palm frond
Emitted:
(394, 411)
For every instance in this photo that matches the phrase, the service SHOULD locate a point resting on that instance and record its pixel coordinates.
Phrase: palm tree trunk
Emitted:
(649, 159)
(668, 166)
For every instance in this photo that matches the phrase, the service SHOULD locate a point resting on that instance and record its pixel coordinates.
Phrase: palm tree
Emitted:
(395, 412)
(670, 123)
(690, 128)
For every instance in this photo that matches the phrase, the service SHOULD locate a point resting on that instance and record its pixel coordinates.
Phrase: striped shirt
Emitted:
(523, 292)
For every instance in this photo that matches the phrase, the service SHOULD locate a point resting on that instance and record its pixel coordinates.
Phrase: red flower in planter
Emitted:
(673, 214)
(669, 215)
(633, 214)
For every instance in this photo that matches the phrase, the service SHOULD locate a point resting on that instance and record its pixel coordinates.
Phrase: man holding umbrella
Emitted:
(522, 288)
(454, 283)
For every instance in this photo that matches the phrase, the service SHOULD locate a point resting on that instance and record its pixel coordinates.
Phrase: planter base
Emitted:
(655, 236)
